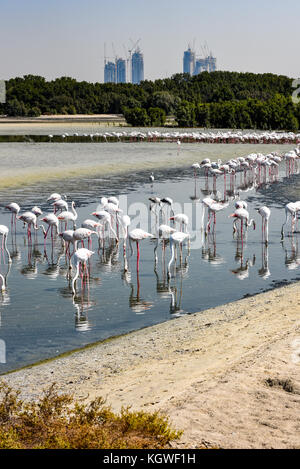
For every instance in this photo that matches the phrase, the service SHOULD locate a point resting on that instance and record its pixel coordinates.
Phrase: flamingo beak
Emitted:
(172, 218)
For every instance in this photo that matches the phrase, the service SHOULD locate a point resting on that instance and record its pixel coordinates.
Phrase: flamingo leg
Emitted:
(138, 257)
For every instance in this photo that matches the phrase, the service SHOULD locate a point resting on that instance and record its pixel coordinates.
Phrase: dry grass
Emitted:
(56, 421)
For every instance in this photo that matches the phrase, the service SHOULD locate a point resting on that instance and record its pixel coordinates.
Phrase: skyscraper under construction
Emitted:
(137, 67)
(194, 66)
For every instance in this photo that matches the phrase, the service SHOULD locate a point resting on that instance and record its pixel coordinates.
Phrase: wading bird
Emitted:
(138, 235)
(4, 233)
(176, 239)
(14, 208)
(243, 215)
(81, 256)
(265, 213)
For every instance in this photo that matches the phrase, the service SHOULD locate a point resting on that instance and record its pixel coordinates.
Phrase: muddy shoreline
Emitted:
(227, 376)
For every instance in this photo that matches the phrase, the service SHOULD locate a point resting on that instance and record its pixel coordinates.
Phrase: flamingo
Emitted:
(4, 232)
(68, 237)
(291, 210)
(80, 234)
(54, 197)
(113, 200)
(182, 219)
(105, 218)
(176, 239)
(265, 213)
(51, 221)
(14, 208)
(214, 207)
(30, 219)
(81, 256)
(164, 232)
(61, 205)
(69, 216)
(243, 215)
(138, 235)
(195, 166)
(241, 204)
(125, 221)
(37, 211)
(167, 201)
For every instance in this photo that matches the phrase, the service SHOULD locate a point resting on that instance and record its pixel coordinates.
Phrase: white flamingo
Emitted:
(4, 233)
(176, 239)
(243, 215)
(14, 208)
(81, 256)
(265, 213)
(67, 216)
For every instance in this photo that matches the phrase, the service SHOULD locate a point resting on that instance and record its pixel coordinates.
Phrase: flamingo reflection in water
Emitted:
(242, 272)
(264, 271)
(292, 255)
(209, 250)
(136, 303)
(82, 304)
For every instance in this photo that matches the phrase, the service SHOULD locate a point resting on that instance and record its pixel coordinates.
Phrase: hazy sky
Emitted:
(55, 38)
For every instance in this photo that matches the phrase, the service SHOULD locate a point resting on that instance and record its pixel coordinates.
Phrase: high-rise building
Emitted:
(188, 61)
(110, 72)
(137, 67)
(212, 63)
(201, 65)
(120, 71)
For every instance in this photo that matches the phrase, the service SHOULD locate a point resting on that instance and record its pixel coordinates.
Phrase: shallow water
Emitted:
(40, 318)
(27, 163)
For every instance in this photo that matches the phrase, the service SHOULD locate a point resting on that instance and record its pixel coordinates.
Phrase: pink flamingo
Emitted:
(14, 208)
(213, 208)
(51, 221)
(138, 235)
(30, 219)
(243, 215)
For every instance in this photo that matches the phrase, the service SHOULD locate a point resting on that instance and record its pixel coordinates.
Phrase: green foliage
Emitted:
(56, 421)
(218, 99)
(137, 117)
(186, 114)
(157, 116)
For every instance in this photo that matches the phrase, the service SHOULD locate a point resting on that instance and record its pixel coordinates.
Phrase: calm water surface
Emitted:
(39, 318)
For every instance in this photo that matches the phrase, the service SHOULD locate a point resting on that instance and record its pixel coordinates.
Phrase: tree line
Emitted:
(218, 100)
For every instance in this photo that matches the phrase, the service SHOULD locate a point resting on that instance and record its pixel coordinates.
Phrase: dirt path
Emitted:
(228, 376)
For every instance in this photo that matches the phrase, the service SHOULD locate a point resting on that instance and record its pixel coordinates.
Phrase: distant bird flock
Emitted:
(109, 221)
(184, 137)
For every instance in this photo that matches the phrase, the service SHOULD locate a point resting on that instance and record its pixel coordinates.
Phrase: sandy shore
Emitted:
(228, 376)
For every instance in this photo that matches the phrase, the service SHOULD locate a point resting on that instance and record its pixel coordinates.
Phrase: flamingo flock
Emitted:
(109, 221)
(180, 137)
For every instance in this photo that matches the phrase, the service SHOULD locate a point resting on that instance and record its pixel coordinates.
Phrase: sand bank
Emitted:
(227, 376)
